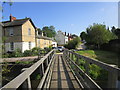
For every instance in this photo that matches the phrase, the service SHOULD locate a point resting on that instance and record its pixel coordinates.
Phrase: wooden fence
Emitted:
(83, 76)
(24, 78)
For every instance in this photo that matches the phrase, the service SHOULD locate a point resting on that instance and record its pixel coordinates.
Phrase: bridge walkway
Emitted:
(62, 76)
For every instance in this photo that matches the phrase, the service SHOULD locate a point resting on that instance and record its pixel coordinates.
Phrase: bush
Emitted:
(35, 51)
(27, 53)
(18, 53)
(73, 43)
(48, 49)
(113, 45)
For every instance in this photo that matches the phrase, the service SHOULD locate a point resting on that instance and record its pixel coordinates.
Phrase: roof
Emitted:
(43, 37)
(17, 22)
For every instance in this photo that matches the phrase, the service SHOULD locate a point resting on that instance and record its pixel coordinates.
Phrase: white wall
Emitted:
(54, 44)
(25, 46)
(60, 38)
(66, 39)
(21, 45)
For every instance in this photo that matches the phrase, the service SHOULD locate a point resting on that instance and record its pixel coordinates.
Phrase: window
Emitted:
(29, 44)
(11, 31)
(29, 31)
(12, 46)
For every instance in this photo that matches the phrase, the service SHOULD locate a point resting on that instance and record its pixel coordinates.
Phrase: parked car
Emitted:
(60, 48)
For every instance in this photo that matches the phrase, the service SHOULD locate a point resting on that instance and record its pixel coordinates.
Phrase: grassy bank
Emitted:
(95, 72)
(104, 56)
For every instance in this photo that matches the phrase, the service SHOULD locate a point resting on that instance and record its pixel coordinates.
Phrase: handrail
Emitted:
(16, 82)
(43, 80)
(103, 65)
(113, 74)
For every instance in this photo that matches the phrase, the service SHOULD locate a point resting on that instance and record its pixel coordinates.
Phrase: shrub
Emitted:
(5, 55)
(48, 49)
(73, 43)
(18, 53)
(27, 53)
(35, 51)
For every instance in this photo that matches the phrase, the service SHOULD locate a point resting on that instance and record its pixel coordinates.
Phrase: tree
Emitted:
(73, 43)
(116, 31)
(83, 35)
(74, 36)
(113, 29)
(98, 34)
(39, 31)
(49, 31)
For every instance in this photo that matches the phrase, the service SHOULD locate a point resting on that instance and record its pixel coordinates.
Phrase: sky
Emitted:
(72, 17)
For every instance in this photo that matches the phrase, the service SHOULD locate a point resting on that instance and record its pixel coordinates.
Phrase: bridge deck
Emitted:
(62, 76)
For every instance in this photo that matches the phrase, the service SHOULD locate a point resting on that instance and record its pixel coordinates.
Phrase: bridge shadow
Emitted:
(69, 81)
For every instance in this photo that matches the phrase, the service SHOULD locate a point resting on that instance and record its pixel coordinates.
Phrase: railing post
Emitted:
(72, 56)
(42, 68)
(27, 82)
(47, 60)
(87, 67)
(112, 79)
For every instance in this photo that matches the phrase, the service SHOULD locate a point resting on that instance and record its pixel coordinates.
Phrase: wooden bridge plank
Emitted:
(62, 77)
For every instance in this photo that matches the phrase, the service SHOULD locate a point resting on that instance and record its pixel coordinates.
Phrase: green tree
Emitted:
(49, 31)
(39, 31)
(73, 43)
(116, 31)
(97, 34)
(83, 35)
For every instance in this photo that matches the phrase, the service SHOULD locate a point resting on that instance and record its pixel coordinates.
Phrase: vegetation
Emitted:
(116, 31)
(33, 52)
(24, 62)
(97, 34)
(95, 72)
(49, 31)
(73, 43)
(104, 56)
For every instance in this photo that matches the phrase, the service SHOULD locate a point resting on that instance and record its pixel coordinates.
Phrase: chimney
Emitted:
(12, 18)
(68, 34)
(65, 33)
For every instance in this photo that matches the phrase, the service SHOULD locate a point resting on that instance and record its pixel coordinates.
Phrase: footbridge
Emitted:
(63, 70)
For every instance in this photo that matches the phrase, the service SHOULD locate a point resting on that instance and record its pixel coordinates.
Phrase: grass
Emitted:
(104, 56)
(95, 72)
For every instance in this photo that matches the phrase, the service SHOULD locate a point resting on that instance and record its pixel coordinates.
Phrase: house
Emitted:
(43, 41)
(19, 33)
(54, 43)
(22, 34)
(61, 38)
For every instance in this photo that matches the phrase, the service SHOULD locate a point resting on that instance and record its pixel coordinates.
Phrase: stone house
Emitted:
(61, 38)
(22, 34)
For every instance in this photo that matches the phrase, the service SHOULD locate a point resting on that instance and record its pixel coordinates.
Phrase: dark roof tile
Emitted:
(15, 22)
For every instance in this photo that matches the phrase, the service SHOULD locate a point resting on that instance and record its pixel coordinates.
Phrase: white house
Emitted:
(61, 38)
(54, 43)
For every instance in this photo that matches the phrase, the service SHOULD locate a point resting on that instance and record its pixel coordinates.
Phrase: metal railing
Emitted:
(24, 77)
(83, 75)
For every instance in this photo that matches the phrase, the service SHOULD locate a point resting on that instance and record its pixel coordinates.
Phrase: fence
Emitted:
(83, 75)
